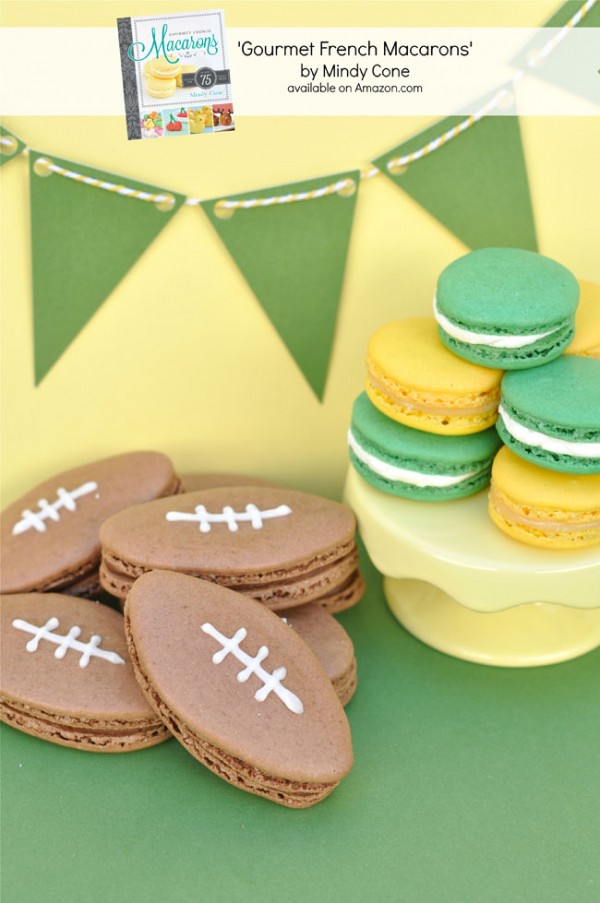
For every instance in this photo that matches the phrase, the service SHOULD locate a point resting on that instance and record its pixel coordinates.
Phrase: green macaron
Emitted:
(414, 464)
(506, 308)
(551, 415)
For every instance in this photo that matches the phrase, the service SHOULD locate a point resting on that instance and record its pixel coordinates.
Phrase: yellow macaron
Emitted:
(160, 87)
(415, 380)
(586, 341)
(542, 507)
(161, 68)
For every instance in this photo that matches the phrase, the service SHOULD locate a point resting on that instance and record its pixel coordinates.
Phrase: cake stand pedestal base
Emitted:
(455, 581)
(537, 633)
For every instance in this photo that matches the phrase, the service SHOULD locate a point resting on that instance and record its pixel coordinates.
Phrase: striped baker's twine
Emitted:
(397, 165)
(561, 35)
(44, 167)
(344, 187)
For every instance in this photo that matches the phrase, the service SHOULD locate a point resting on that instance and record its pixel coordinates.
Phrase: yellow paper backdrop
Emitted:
(181, 357)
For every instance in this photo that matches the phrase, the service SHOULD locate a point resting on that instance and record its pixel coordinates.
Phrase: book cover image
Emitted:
(176, 78)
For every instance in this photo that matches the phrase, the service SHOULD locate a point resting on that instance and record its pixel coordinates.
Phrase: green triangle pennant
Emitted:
(560, 67)
(474, 183)
(84, 239)
(564, 14)
(293, 256)
(10, 146)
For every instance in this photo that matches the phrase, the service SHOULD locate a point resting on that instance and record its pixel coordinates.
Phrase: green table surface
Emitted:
(470, 783)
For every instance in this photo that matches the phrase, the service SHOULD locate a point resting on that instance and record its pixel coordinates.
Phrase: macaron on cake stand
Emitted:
(460, 585)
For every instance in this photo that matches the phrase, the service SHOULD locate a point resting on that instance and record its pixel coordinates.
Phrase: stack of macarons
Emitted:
(493, 353)
(546, 479)
(161, 77)
(424, 428)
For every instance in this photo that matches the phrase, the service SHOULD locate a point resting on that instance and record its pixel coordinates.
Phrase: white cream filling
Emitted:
(548, 443)
(401, 475)
(481, 338)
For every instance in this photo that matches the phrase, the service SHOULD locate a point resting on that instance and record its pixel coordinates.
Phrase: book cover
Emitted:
(176, 78)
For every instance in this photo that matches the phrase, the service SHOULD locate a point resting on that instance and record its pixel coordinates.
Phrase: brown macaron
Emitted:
(67, 677)
(283, 548)
(330, 643)
(238, 689)
(50, 536)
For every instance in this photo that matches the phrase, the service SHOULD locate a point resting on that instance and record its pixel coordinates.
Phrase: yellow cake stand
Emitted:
(460, 585)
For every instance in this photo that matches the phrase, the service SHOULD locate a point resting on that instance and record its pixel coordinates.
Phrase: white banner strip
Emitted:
(317, 71)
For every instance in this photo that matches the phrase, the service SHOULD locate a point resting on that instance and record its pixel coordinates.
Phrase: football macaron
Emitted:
(238, 688)
(551, 415)
(506, 308)
(544, 508)
(415, 380)
(416, 464)
(282, 547)
(50, 536)
(67, 677)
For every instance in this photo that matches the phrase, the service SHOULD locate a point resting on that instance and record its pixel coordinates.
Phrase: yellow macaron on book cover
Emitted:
(212, 299)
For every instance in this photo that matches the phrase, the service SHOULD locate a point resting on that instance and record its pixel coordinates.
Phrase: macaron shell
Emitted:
(415, 380)
(507, 291)
(560, 401)
(193, 482)
(586, 341)
(160, 87)
(544, 508)
(541, 488)
(422, 493)
(161, 68)
(535, 354)
(345, 596)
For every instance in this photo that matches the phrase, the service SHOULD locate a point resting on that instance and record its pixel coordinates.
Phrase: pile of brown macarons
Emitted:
(227, 640)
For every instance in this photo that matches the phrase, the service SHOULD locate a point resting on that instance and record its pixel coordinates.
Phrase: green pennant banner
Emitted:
(84, 239)
(556, 63)
(474, 183)
(293, 256)
(10, 146)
